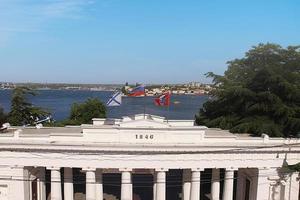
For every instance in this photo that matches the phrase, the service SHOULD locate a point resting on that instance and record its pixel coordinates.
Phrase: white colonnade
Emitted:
(260, 189)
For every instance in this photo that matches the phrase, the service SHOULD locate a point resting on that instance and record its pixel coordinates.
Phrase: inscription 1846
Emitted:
(144, 136)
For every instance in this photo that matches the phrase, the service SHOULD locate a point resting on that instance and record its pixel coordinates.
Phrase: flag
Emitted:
(115, 100)
(163, 100)
(137, 91)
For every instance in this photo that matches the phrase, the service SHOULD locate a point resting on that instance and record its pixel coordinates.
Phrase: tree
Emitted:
(293, 168)
(22, 111)
(3, 116)
(259, 93)
(82, 113)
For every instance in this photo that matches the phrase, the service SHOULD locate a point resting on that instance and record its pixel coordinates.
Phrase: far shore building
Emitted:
(145, 157)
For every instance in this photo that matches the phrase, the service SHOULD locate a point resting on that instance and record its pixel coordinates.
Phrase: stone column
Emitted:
(186, 184)
(215, 184)
(154, 186)
(68, 184)
(195, 184)
(126, 184)
(90, 184)
(55, 184)
(99, 185)
(228, 185)
(161, 184)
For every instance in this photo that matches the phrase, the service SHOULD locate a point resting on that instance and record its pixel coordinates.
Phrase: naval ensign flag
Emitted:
(115, 100)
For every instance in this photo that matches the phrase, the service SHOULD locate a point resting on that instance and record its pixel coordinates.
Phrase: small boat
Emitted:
(176, 102)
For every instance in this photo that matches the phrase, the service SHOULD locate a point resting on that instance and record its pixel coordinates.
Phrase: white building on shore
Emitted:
(149, 158)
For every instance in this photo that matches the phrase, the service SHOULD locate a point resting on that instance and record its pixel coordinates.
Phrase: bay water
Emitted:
(59, 102)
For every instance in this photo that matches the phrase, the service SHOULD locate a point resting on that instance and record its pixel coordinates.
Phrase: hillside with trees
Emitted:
(259, 93)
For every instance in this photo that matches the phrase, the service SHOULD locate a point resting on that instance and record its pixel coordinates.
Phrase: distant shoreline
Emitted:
(88, 90)
(192, 88)
(61, 89)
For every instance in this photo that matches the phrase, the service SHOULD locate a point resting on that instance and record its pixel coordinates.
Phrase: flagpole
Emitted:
(144, 106)
(121, 114)
(169, 104)
(168, 114)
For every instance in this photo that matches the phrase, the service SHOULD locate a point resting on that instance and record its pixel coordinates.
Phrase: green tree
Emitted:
(293, 168)
(3, 116)
(22, 112)
(82, 113)
(259, 93)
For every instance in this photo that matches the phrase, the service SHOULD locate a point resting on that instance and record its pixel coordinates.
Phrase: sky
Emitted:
(145, 41)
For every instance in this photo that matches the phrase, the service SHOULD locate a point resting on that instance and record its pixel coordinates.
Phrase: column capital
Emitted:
(161, 170)
(197, 169)
(53, 168)
(88, 169)
(273, 177)
(283, 182)
(232, 169)
(273, 183)
(125, 169)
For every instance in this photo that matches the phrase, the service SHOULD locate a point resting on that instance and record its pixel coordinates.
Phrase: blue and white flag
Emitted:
(115, 100)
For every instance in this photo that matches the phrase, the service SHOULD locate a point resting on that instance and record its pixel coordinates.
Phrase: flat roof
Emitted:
(44, 130)
(209, 132)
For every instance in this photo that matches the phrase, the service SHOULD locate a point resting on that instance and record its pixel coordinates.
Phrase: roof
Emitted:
(136, 132)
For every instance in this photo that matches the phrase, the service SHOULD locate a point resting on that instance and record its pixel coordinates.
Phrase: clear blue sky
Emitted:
(147, 41)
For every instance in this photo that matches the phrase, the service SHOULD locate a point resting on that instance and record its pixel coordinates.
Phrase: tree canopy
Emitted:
(22, 111)
(82, 113)
(3, 116)
(259, 93)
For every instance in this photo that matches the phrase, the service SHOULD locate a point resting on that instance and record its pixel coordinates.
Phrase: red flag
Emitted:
(163, 100)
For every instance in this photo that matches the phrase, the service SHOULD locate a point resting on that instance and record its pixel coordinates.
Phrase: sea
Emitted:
(59, 102)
